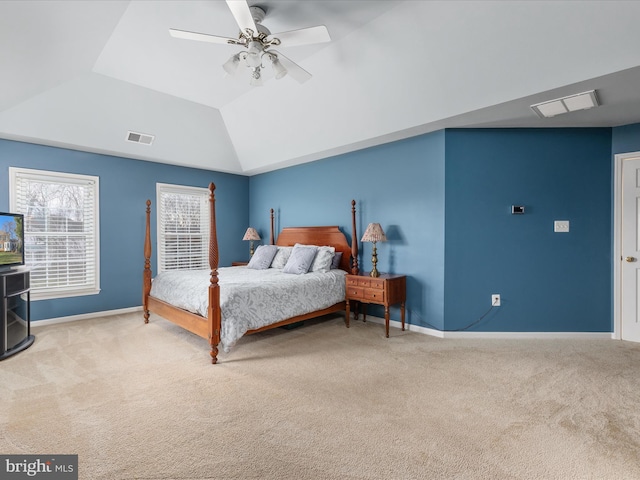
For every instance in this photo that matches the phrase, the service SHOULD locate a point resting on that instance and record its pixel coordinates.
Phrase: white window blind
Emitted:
(61, 231)
(183, 227)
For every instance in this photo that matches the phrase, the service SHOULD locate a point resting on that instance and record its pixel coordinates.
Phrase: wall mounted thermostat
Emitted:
(517, 209)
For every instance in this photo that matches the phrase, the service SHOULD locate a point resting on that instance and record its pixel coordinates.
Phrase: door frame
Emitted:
(619, 158)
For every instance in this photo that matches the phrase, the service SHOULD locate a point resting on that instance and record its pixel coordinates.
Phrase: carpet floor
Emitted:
(321, 401)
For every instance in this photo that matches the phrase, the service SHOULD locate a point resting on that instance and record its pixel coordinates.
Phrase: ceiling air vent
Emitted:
(140, 138)
(571, 103)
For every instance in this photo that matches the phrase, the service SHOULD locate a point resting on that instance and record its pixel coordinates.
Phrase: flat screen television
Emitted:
(11, 240)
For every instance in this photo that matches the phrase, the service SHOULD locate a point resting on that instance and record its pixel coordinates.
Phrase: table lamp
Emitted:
(374, 233)
(251, 234)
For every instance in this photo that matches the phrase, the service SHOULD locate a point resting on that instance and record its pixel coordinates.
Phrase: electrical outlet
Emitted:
(495, 300)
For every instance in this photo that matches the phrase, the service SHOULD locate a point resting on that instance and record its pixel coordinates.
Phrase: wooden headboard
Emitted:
(324, 236)
(321, 236)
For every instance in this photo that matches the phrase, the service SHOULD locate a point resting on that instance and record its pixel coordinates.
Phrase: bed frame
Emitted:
(209, 327)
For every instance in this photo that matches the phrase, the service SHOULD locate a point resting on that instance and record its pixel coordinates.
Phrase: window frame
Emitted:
(202, 194)
(91, 286)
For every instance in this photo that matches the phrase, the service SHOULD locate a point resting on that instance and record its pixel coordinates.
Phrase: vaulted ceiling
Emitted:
(81, 74)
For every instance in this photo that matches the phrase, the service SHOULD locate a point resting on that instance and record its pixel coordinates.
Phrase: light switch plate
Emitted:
(561, 226)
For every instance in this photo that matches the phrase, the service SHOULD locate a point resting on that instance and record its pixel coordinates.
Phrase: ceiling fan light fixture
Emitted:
(256, 78)
(254, 54)
(231, 65)
(278, 68)
(258, 42)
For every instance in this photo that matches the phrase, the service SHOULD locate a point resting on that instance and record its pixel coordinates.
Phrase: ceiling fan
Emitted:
(259, 42)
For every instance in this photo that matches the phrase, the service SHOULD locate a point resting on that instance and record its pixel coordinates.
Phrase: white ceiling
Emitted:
(80, 74)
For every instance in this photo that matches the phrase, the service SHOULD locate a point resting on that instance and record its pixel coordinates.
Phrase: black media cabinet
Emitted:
(15, 314)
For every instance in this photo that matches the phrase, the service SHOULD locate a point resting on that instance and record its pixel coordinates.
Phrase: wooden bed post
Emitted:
(214, 289)
(354, 240)
(146, 275)
(273, 238)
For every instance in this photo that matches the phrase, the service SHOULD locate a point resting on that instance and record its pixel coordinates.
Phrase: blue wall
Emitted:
(443, 199)
(399, 185)
(548, 281)
(626, 139)
(125, 185)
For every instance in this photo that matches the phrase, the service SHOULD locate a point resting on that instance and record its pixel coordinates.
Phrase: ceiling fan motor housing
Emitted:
(258, 13)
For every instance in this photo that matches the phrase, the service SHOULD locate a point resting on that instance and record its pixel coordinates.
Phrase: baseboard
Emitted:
(496, 335)
(392, 323)
(84, 316)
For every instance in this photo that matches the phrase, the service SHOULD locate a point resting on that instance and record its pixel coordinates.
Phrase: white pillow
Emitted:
(262, 257)
(280, 260)
(324, 259)
(300, 259)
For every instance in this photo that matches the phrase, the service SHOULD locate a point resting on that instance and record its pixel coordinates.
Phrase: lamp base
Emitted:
(374, 262)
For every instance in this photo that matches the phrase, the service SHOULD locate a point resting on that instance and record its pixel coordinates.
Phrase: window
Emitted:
(183, 227)
(61, 231)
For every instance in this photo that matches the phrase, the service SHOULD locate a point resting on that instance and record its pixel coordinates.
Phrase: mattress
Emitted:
(249, 298)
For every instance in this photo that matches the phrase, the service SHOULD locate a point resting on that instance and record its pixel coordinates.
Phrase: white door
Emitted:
(630, 250)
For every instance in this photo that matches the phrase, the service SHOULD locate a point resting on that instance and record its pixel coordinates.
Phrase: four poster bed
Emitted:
(233, 301)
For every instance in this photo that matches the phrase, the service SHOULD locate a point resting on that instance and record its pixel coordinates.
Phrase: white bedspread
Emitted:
(249, 298)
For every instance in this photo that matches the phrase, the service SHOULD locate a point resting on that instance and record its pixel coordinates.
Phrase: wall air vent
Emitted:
(143, 138)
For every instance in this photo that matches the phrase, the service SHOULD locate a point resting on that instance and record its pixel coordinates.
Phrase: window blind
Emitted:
(183, 227)
(61, 231)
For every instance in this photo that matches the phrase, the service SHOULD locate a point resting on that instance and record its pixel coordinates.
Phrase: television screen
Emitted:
(11, 239)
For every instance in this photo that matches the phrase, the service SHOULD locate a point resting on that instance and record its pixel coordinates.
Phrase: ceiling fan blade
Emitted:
(241, 12)
(200, 37)
(303, 36)
(293, 69)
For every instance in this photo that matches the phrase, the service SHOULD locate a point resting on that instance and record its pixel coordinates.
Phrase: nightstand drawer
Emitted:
(358, 281)
(365, 294)
(374, 294)
(356, 293)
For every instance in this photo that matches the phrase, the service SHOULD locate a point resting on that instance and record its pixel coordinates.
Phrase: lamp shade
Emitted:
(278, 68)
(254, 54)
(251, 234)
(231, 65)
(374, 233)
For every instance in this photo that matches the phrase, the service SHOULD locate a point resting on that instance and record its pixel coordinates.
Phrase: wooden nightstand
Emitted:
(239, 264)
(387, 290)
